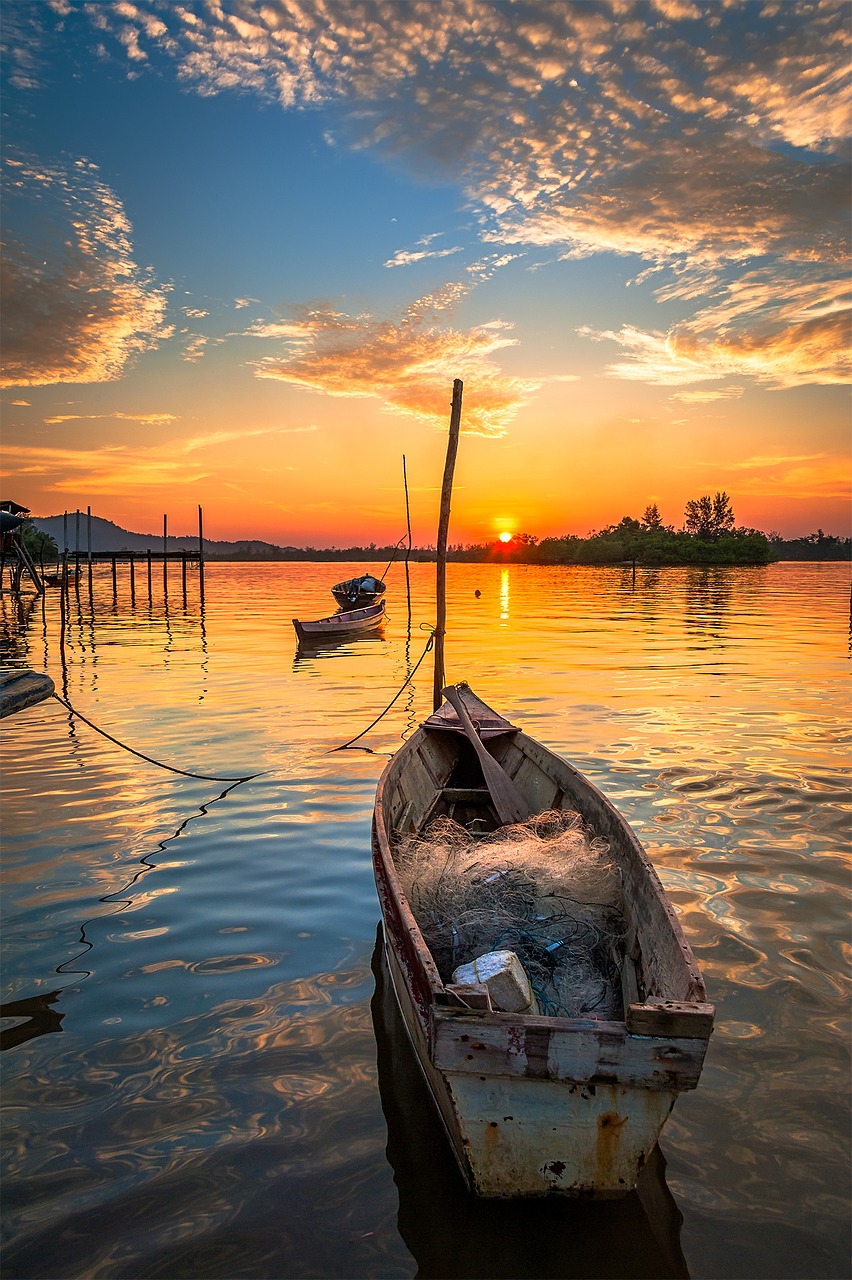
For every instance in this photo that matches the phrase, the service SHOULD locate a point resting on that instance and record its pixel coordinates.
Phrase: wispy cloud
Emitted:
(131, 467)
(76, 307)
(809, 476)
(149, 419)
(708, 395)
(404, 363)
(774, 326)
(422, 252)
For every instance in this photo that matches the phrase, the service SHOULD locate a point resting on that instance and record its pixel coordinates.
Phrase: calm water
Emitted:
(202, 1074)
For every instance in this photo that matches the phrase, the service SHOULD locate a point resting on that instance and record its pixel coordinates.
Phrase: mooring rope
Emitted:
(429, 643)
(393, 557)
(203, 777)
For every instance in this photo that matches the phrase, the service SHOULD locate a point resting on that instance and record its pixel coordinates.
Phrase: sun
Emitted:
(505, 536)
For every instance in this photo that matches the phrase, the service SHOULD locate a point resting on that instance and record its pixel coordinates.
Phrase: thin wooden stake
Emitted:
(408, 548)
(443, 527)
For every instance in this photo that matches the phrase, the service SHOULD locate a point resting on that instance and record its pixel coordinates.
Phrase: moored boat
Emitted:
(357, 592)
(346, 622)
(21, 687)
(535, 1104)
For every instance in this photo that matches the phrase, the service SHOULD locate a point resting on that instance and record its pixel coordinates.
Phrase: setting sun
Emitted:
(505, 537)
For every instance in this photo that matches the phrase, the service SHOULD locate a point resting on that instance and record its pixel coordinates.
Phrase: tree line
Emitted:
(709, 535)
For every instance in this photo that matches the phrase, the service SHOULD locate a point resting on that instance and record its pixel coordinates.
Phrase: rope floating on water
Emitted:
(429, 643)
(203, 777)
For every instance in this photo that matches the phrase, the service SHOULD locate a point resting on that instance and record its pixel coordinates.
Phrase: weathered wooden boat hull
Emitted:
(536, 1105)
(453, 1234)
(20, 688)
(353, 593)
(348, 622)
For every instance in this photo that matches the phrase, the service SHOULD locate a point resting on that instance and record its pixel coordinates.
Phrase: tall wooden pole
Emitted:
(443, 527)
(408, 548)
(200, 554)
(89, 547)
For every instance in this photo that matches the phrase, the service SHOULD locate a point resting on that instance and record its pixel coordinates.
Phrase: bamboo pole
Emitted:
(443, 527)
(408, 548)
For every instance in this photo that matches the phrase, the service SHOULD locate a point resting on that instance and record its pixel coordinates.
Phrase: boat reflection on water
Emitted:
(332, 646)
(452, 1233)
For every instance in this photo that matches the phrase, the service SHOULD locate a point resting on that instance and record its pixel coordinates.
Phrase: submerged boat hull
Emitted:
(535, 1105)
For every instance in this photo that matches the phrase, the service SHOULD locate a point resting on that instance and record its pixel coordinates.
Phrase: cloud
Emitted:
(707, 396)
(703, 139)
(406, 363)
(817, 476)
(405, 257)
(150, 419)
(130, 467)
(194, 346)
(76, 307)
(779, 328)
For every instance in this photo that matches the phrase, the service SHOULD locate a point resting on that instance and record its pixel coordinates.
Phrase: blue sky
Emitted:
(248, 246)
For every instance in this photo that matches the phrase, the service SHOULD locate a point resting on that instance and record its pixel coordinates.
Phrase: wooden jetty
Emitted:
(70, 565)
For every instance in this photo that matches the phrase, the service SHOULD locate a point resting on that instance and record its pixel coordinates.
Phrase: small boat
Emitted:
(346, 622)
(21, 688)
(449, 1234)
(356, 592)
(536, 1104)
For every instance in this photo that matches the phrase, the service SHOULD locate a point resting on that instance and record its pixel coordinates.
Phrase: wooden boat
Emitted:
(356, 592)
(449, 1234)
(533, 1104)
(20, 687)
(347, 622)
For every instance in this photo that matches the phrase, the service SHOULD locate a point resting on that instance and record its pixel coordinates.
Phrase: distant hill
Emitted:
(107, 536)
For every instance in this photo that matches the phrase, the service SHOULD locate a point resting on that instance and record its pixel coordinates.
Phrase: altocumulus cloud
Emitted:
(705, 140)
(76, 307)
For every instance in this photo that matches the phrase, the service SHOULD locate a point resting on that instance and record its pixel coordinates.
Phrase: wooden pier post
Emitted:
(165, 553)
(132, 579)
(150, 592)
(443, 527)
(200, 554)
(114, 580)
(63, 608)
(89, 546)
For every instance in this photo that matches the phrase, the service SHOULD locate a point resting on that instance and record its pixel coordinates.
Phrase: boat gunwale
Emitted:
(438, 1001)
(345, 620)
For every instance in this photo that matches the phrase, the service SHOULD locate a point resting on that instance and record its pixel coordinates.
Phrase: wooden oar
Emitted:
(508, 801)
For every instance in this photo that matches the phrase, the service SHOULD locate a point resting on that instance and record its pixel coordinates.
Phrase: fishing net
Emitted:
(546, 889)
